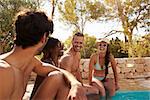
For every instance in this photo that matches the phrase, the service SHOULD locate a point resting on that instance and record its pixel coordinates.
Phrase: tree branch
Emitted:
(112, 32)
(75, 25)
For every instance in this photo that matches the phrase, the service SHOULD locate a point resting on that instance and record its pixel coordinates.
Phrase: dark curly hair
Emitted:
(30, 27)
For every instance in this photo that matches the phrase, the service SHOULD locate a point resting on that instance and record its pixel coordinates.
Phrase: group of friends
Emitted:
(58, 75)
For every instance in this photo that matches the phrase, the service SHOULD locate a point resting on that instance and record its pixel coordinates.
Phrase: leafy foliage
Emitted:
(117, 48)
(141, 48)
(8, 10)
(89, 46)
(133, 14)
(77, 12)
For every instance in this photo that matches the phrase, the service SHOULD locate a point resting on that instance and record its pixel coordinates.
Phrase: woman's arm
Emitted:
(114, 67)
(91, 64)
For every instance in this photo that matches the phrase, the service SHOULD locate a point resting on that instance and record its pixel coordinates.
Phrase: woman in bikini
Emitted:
(98, 68)
(51, 53)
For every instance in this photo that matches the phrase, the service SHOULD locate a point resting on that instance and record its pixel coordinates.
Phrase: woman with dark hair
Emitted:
(51, 52)
(98, 68)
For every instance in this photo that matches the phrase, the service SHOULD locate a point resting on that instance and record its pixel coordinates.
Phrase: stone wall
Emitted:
(126, 67)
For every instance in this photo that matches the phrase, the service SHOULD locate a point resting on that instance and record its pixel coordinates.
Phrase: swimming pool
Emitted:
(132, 95)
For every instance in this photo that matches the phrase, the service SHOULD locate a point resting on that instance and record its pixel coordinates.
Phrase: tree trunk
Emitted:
(52, 9)
(130, 50)
(125, 39)
(125, 25)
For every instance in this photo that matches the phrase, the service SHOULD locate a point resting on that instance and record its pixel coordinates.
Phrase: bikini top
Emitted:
(98, 66)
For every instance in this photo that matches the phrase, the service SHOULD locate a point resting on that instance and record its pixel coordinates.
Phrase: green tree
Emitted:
(77, 13)
(52, 8)
(116, 48)
(141, 47)
(67, 43)
(8, 10)
(89, 46)
(133, 14)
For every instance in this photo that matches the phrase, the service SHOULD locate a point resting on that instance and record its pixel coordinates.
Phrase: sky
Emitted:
(97, 29)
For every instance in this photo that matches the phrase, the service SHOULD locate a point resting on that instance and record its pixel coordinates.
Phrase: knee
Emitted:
(112, 91)
(100, 87)
(54, 73)
(57, 76)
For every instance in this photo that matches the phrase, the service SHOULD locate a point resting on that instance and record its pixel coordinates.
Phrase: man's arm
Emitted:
(76, 90)
(41, 68)
(44, 69)
(78, 73)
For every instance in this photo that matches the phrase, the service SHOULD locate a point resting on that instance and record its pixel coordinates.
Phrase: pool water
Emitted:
(132, 95)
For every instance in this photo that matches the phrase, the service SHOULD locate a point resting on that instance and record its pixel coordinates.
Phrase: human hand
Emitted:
(77, 92)
(117, 87)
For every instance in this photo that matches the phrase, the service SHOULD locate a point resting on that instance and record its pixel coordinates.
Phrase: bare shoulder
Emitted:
(93, 56)
(66, 62)
(5, 68)
(4, 64)
(6, 79)
(111, 57)
(112, 60)
(66, 58)
(36, 61)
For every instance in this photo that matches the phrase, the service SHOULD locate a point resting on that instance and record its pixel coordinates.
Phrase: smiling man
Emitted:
(70, 61)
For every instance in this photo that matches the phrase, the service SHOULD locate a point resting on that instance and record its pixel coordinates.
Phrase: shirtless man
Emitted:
(70, 61)
(32, 30)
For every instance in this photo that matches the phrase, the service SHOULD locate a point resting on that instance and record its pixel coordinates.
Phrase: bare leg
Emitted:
(90, 89)
(94, 89)
(93, 96)
(110, 86)
(52, 88)
(99, 85)
(63, 91)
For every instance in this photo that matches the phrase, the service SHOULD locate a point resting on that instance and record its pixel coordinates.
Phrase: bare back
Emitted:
(11, 82)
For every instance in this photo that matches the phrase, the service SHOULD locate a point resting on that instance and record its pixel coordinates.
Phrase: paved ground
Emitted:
(125, 84)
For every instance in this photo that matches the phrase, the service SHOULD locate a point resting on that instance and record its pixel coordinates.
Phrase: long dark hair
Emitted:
(107, 58)
(51, 44)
